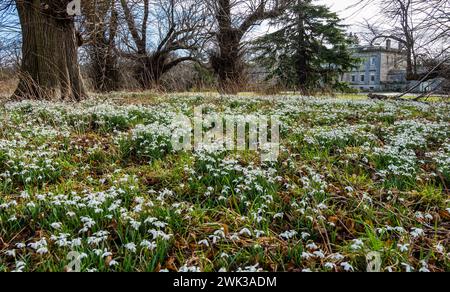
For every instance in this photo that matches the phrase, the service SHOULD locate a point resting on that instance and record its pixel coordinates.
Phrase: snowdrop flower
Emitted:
(245, 231)
(186, 269)
(319, 254)
(11, 253)
(222, 270)
(440, 248)
(347, 267)
(403, 247)
(311, 246)
(417, 232)
(130, 247)
(289, 234)
(148, 245)
(278, 216)
(408, 268)
(330, 266)
(305, 235)
(424, 268)
(103, 253)
(307, 271)
(337, 257)
(56, 225)
(21, 245)
(357, 244)
(224, 255)
(113, 263)
(20, 266)
(204, 242)
(71, 214)
(42, 250)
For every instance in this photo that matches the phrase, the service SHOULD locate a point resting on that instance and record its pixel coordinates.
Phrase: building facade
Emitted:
(382, 68)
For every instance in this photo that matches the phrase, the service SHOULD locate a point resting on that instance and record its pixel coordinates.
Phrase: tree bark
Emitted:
(49, 67)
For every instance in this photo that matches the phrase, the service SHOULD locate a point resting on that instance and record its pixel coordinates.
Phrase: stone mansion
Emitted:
(382, 68)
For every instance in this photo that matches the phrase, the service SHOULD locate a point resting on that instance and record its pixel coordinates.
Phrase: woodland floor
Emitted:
(100, 178)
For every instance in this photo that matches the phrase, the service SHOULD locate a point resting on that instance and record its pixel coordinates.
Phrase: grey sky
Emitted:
(352, 15)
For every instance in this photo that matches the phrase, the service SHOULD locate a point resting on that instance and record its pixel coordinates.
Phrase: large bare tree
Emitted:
(234, 19)
(160, 35)
(422, 28)
(100, 27)
(49, 51)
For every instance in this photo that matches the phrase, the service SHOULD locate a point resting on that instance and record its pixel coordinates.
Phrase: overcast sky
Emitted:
(352, 15)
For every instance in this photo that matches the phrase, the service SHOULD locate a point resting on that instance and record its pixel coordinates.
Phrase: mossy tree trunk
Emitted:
(50, 68)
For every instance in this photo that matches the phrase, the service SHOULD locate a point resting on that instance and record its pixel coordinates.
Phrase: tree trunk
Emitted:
(228, 64)
(49, 67)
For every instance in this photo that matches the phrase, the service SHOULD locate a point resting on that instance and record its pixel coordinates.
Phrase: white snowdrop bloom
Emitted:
(307, 270)
(251, 269)
(347, 267)
(322, 206)
(135, 225)
(204, 242)
(278, 216)
(11, 253)
(104, 253)
(307, 255)
(245, 231)
(312, 246)
(259, 233)
(448, 210)
(222, 270)
(417, 232)
(403, 247)
(113, 263)
(12, 218)
(150, 220)
(71, 214)
(424, 268)
(289, 234)
(440, 248)
(159, 224)
(319, 254)
(224, 255)
(429, 217)
(131, 247)
(42, 250)
(187, 269)
(164, 271)
(148, 245)
(21, 245)
(56, 225)
(408, 267)
(20, 266)
(357, 244)
(305, 235)
(31, 205)
(349, 189)
(330, 266)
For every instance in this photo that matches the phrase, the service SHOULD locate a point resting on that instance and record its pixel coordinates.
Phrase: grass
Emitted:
(101, 178)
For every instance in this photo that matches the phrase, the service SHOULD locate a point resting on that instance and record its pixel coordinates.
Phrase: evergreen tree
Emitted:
(309, 49)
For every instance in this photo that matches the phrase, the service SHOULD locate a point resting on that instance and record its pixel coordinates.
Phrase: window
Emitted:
(353, 78)
(372, 77)
(373, 61)
(363, 77)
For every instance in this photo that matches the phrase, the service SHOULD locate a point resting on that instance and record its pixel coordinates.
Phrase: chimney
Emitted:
(388, 44)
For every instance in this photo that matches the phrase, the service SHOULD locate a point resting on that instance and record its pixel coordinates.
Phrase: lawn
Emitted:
(100, 183)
